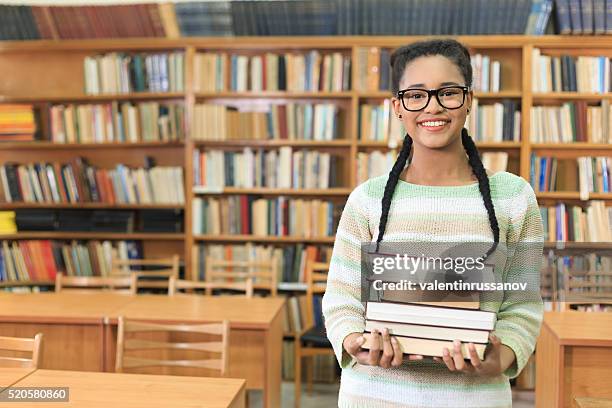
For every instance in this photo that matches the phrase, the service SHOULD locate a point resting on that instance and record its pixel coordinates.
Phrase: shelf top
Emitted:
(115, 236)
(40, 145)
(91, 98)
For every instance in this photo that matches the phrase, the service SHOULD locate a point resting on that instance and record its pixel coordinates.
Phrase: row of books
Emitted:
(279, 217)
(496, 122)
(576, 224)
(119, 73)
(282, 168)
(584, 174)
(378, 123)
(486, 73)
(583, 17)
(81, 220)
(17, 122)
(114, 122)
(290, 121)
(69, 22)
(373, 70)
(376, 163)
(289, 259)
(360, 17)
(7, 222)
(41, 260)
(571, 122)
(311, 71)
(426, 330)
(568, 73)
(80, 182)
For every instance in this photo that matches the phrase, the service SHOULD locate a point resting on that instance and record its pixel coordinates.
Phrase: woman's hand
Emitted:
(498, 358)
(391, 352)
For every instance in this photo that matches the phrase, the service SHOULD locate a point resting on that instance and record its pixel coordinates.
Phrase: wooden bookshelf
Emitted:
(51, 72)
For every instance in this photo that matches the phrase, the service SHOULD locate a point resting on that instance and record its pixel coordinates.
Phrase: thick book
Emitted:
(426, 347)
(429, 332)
(431, 315)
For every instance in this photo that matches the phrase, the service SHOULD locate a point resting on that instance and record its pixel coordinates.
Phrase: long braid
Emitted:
(394, 176)
(483, 184)
(477, 169)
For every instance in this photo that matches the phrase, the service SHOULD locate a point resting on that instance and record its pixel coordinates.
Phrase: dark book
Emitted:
(575, 16)
(564, 25)
(587, 16)
(608, 16)
(28, 219)
(599, 16)
(75, 220)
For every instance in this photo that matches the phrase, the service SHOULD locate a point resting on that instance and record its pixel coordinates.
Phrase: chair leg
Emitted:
(297, 375)
(309, 373)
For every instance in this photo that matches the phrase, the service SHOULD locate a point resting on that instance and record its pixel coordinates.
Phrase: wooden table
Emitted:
(573, 358)
(80, 329)
(593, 403)
(93, 390)
(10, 376)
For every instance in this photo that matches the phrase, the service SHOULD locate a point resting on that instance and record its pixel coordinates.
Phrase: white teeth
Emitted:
(433, 124)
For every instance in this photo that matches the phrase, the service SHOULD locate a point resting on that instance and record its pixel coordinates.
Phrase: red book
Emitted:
(44, 22)
(101, 187)
(57, 172)
(24, 247)
(244, 214)
(156, 20)
(49, 261)
(145, 25)
(282, 121)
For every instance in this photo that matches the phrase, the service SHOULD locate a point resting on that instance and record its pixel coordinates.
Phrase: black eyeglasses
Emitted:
(449, 97)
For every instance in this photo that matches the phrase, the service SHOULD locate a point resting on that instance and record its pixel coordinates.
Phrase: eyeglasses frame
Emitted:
(430, 93)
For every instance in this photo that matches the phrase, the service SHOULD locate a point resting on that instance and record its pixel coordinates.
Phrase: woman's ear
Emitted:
(397, 107)
(468, 100)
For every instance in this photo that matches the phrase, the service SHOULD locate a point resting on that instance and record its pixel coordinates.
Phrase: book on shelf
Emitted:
(427, 330)
(7, 222)
(277, 168)
(289, 121)
(374, 164)
(204, 19)
(568, 73)
(582, 174)
(378, 123)
(281, 216)
(295, 72)
(496, 122)
(17, 122)
(486, 72)
(117, 122)
(41, 260)
(81, 182)
(290, 259)
(373, 72)
(563, 223)
(120, 73)
(571, 122)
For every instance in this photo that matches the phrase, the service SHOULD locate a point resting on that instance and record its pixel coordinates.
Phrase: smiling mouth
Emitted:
(433, 124)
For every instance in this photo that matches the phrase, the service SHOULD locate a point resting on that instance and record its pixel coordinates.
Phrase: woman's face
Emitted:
(434, 127)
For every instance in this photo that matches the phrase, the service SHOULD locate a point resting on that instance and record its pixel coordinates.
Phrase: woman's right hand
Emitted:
(389, 356)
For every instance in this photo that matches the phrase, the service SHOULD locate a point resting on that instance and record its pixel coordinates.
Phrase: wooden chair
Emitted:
(155, 271)
(117, 284)
(263, 273)
(220, 347)
(18, 344)
(312, 340)
(176, 285)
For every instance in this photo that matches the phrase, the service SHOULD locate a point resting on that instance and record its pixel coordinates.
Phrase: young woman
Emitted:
(444, 195)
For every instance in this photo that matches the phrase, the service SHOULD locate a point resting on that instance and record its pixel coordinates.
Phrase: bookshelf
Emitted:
(46, 73)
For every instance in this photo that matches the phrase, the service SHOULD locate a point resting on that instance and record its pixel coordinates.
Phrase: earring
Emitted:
(399, 116)
(468, 111)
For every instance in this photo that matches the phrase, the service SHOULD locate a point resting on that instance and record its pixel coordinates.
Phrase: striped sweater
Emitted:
(443, 214)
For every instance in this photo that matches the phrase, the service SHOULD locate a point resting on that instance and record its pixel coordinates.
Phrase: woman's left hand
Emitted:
(498, 358)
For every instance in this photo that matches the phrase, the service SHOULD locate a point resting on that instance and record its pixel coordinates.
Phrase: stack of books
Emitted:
(427, 328)
(17, 123)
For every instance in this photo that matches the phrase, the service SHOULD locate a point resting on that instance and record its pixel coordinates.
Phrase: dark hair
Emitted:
(457, 53)
(451, 49)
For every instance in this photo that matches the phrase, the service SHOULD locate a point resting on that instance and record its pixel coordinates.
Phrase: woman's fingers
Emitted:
(355, 345)
(397, 353)
(448, 360)
(414, 357)
(458, 355)
(474, 359)
(387, 349)
(374, 353)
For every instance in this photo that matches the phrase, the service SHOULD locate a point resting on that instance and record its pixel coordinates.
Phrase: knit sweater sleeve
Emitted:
(520, 315)
(342, 307)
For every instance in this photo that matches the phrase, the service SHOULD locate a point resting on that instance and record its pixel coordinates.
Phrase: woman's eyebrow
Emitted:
(423, 85)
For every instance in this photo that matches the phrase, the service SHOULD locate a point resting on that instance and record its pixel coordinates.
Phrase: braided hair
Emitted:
(460, 56)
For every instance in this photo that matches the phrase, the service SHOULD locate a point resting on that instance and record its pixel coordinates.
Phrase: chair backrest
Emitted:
(178, 285)
(218, 347)
(21, 345)
(156, 271)
(117, 284)
(316, 283)
(263, 273)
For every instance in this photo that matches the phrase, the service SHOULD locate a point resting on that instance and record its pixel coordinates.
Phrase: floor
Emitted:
(325, 395)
